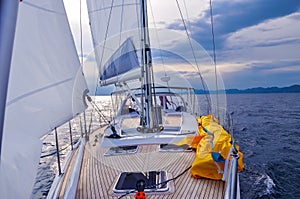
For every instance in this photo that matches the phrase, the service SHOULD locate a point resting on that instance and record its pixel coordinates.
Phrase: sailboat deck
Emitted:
(99, 173)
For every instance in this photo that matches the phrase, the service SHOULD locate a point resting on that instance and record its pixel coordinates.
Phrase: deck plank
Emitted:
(99, 173)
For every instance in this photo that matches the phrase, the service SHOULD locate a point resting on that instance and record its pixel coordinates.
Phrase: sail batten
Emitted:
(43, 8)
(37, 91)
(114, 6)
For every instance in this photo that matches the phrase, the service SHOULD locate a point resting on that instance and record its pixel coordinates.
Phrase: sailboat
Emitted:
(159, 144)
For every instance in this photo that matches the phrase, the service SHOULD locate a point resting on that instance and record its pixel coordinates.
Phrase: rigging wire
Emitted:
(94, 105)
(106, 31)
(81, 52)
(121, 22)
(81, 39)
(104, 44)
(160, 57)
(214, 55)
(193, 52)
(121, 29)
(98, 110)
(187, 16)
(159, 47)
(158, 41)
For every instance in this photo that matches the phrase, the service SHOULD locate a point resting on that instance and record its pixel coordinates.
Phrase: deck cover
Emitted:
(212, 150)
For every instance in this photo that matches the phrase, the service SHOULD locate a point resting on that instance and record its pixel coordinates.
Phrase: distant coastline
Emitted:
(290, 89)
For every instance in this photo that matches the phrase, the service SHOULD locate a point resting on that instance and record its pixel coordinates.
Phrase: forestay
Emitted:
(46, 89)
(119, 20)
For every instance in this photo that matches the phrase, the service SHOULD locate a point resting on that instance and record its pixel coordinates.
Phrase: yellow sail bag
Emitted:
(212, 150)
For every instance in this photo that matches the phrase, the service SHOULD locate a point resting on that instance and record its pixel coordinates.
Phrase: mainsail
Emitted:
(116, 34)
(46, 89)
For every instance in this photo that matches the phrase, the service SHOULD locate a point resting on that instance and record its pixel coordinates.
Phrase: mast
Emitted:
(8, 19)
(147, 68)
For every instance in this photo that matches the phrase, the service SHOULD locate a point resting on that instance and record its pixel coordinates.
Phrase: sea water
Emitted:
(266, 127)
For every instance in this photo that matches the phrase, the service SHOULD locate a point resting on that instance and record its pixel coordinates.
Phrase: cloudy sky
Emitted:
(257, 41)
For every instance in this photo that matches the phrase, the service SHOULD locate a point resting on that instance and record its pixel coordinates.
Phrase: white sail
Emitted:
(120, 20)
(122, 61)
(46, 89)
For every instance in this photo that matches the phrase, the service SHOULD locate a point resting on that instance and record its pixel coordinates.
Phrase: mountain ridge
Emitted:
(289, 89)
(274, 89)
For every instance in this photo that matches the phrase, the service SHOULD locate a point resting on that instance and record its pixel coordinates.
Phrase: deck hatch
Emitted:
(175, 148)
(122, 150)
(153, 179)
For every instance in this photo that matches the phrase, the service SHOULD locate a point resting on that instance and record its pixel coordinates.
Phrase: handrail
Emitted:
(62, 161)
(231, 190)
(54, 189)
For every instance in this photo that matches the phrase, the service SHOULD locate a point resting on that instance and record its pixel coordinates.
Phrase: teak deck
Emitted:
(99, 173)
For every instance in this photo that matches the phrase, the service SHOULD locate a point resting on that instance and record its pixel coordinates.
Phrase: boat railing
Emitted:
(231, 165)
(232, 179)
(223, 116)
(61, 144)
(66, 138)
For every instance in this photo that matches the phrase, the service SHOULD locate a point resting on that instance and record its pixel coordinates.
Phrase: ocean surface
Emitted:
(266, 127)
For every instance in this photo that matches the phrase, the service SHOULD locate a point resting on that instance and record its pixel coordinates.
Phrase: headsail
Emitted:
(120, 20)
(122, 61)
(46, 89)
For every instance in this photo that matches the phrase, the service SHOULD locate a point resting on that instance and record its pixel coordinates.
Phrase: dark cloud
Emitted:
(231, 16)
(277, 43)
